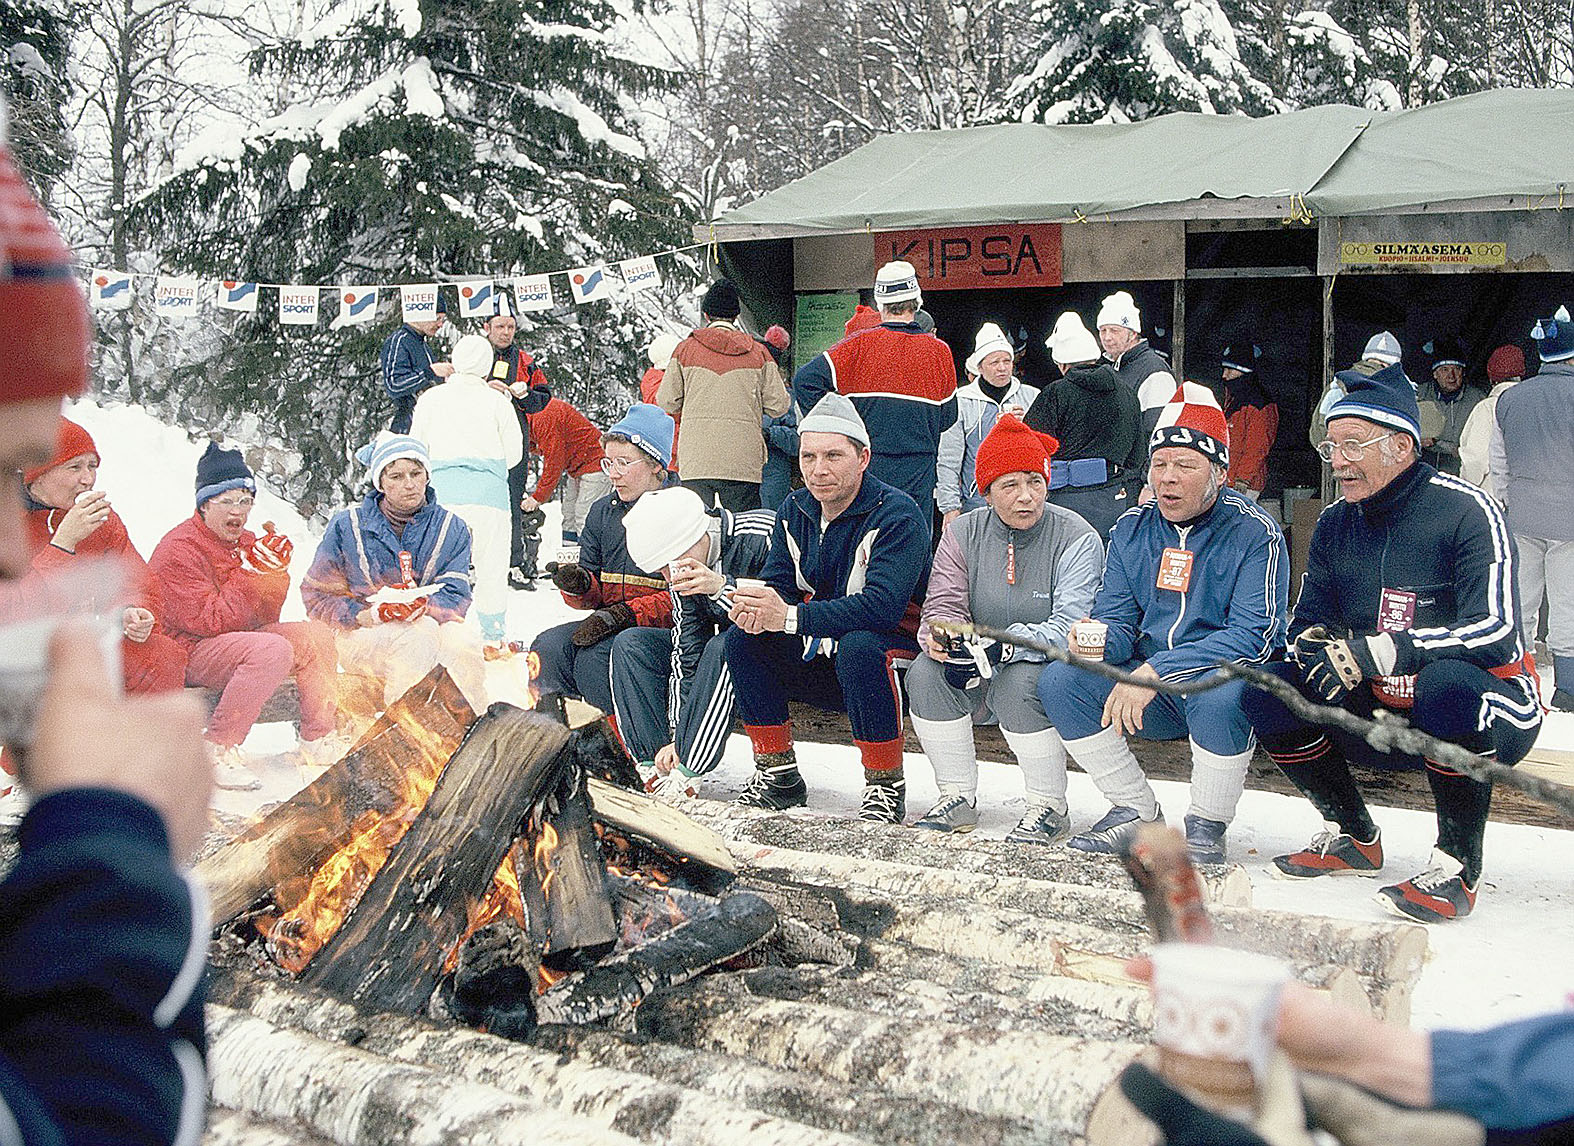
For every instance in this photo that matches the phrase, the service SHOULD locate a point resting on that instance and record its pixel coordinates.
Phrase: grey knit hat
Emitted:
(835, 414)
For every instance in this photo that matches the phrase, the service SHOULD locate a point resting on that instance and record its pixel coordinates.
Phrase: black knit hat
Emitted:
(721, 300)
(219, 470)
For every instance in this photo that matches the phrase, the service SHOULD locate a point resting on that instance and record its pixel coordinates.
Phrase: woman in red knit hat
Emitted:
(70, 522)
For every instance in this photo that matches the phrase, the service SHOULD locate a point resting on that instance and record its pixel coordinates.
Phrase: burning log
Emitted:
(1054, 1081)
(656, 1111)
(392, 947)
(416, 735)
(573, 926)
(360, 1099)
(1385, 952)
(735, 924)
(872, 1113)
(857, 840)
(660, 824)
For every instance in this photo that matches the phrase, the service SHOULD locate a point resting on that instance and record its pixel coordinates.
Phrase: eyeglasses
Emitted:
(234, 502)
(1350, 451)
(610, 466)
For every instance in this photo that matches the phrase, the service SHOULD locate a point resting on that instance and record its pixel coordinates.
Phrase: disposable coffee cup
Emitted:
(1215, 1015)
(1087, 639)
(24, 670)
(749, 583)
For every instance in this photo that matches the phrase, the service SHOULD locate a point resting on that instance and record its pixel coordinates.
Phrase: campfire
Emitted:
(495, 870)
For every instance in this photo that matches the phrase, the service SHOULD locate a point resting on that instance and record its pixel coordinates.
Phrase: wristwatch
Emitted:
(790, 625)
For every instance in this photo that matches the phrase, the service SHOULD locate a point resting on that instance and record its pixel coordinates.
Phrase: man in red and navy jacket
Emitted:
(902, 382)
(515, 370)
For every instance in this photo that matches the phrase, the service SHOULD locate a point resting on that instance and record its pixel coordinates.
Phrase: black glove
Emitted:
(1339, 666)
(531, 521)
(962, 670)
(1312, 640)
(572, 579)
(603, 623)
(1179, 1119)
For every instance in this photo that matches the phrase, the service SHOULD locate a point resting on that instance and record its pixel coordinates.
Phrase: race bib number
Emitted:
(1175, 569)
(1396, 611)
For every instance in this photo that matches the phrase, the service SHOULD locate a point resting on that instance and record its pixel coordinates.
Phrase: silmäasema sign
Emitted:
(1426, 254)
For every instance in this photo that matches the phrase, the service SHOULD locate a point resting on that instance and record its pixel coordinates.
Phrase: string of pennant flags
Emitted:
(182, 296)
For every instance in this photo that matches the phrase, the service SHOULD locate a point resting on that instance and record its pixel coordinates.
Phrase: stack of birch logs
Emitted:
(925, 989)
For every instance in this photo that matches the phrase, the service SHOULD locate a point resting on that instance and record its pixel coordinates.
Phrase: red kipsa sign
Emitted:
(969, 258)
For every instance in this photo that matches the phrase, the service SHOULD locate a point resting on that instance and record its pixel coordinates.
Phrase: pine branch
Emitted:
(1391, 733)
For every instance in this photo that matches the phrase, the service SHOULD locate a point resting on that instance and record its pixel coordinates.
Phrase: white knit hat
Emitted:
(1071, 342)
(835, 414)
(989, 339)
(896, 282)
(1120, 309)
(661, 525)
(387, 448)
(473, 354)
(660, 350)
(1382, 347)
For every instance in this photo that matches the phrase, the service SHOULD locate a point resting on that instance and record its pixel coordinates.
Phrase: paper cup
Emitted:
(1215, 1014)
(749, 583)
(1087, 639)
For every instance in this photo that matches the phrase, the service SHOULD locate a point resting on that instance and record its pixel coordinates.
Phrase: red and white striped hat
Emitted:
(1192, 418)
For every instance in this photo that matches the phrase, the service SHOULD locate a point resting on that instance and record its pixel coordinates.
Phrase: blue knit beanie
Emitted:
(1385, 397)
(648, 427)
(387, 448)
(220, 470)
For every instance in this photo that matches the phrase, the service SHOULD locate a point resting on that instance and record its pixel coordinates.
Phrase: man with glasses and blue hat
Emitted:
(1409, 604)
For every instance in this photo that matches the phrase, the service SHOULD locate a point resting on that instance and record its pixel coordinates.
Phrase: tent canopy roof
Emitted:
(1331, 160)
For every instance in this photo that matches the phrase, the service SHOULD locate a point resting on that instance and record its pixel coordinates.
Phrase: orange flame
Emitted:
(502, 898)
(296, 935)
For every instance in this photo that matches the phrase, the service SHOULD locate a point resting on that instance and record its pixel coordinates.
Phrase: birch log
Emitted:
(651, 1110)
(232, 1128)
(852, 838)
(1053, 1080)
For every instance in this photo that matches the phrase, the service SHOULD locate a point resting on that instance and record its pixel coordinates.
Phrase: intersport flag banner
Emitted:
(298, 305)
(477, 299)
(357, 305)
(110, 290)
(532, 293)
(236, 295)
(640, 273)
(175, 298)
(590, 284)
(418, 303)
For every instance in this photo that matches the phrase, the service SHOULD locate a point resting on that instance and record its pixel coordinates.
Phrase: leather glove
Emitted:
(1339, 666)
(1357, 1117)
(1304, 649)
(603, 623)
(572, 579)
(1281, 1121)
(969, 662)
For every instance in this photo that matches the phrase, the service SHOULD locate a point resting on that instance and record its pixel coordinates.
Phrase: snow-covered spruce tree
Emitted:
(1115, 61)
(414, 144)
(35, 38)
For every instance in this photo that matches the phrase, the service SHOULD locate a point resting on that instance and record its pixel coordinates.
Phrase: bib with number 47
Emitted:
(1175, 569)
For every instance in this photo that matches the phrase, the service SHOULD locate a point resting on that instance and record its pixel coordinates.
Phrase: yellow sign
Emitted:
(1410, 254)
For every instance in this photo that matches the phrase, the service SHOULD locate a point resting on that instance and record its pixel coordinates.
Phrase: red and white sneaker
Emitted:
(1331, 852)
(1437, 895)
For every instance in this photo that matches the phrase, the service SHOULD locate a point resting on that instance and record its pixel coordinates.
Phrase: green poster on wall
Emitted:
(818, 323)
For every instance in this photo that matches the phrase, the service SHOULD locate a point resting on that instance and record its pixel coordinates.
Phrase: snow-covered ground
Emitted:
(1510, 958)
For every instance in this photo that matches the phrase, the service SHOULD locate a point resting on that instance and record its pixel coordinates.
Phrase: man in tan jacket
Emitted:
(722, 383)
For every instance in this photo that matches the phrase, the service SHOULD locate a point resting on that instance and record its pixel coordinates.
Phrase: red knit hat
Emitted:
(778, 337)
(1012, 448)
(1506, 362)
(74, 442)
(864, 318)
(1192, 418)
(43, 316)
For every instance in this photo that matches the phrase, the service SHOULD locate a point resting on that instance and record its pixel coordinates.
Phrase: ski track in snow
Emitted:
(1508, 960)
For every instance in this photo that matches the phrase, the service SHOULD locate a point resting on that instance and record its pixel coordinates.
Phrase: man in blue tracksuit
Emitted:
(407, 366)
(1409, 604)
(1197, 576)
(671, 690)
(848, 566)
(397, 643)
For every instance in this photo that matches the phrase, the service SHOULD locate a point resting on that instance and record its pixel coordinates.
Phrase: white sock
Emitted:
(1043, 760)
(1217, 782)
(949, 746)
(1107, 758)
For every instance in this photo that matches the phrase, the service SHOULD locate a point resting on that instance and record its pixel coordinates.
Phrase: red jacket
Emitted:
(205, 590)
(564, 439)
(649, 383)
(1252, 431)
(109, 540)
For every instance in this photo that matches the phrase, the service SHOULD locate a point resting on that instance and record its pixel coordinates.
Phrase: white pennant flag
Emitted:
(357, 304)
(237, 296)
(298, 305)
(533, 292)
(477, 299)
(175, 298)
(640, 273)
(589, 284)
(110, 290)
(418, 303)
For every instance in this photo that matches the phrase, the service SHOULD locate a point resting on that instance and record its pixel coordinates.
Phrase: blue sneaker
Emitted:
(1205, 840)
(1113, 834)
